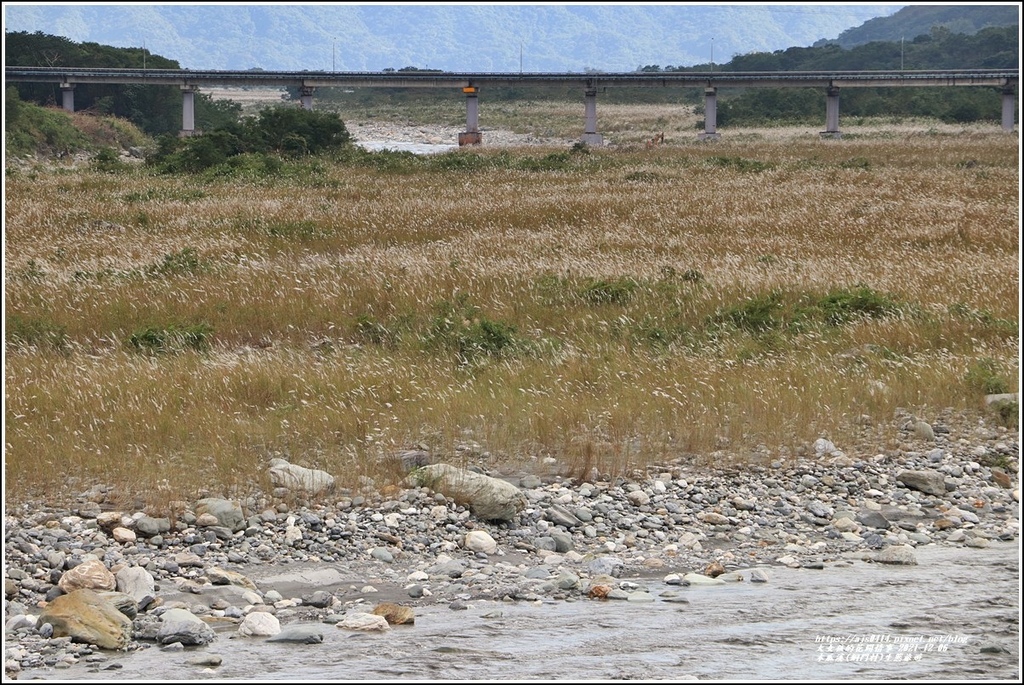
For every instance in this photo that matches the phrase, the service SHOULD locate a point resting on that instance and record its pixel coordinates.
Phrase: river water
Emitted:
(415, 148)
(848, 621)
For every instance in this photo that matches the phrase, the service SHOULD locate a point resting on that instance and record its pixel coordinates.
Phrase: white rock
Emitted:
(259, 624)
(480, 541)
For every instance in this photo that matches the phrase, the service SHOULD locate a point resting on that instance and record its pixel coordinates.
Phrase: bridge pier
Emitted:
(67, 97)
(472, 135)
(188, 111)
(590, 135)
(306, 97)
(831, 114)
(1009, 106)
(710, 115)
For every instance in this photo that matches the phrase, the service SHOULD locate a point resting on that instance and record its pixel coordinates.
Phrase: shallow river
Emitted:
(937, 614)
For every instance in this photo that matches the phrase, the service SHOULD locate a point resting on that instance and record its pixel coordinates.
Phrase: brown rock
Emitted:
(1002, 478)
(395, 614)
(599, 591)
(108, 520)
(714, 569)
(84, 616)
(89, 575)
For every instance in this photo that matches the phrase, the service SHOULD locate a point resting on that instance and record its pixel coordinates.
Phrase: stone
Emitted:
(1002, 479)
(126, 604)
(698, 579)
(560, 516)
(900, 555)
(609, 566)
(219, 576)
(873, 519)
(714, 519)
(89, 575)
(395, 614)
(229, 514)
(302, 634)
(84, 616)
(759, 575)
(480, 541)
(295, 477)
(149, 527)
(259, 624)
(488, 498)
(714, 569)
(108, 520)
(928, 482)
(123, 535)
(363, 622)
(923, 430)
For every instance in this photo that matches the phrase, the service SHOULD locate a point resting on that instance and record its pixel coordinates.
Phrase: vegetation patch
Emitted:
(172, 338)
(24, 331)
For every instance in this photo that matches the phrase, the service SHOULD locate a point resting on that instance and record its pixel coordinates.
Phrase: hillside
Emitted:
(917, 20)
(449, 37)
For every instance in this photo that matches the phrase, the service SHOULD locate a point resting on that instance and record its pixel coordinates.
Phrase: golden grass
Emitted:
(325, 291)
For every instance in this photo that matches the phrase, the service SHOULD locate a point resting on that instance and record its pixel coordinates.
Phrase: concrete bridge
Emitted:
(470, 84)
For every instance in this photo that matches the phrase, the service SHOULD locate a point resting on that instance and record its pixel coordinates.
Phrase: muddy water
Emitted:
(938, 614)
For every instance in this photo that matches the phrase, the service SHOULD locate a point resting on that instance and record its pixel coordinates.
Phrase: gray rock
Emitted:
(488, 498)
(923, 430)
(873, 519)
(567, 580)
(382, 554)
(228, 513)
(758, 575)
(928, 482)
(295, 477)
(900, 555)
(561, 516)
(319, 599)
(563, 541)
(608, 566)
(181, 625)
(147, 526)
(303, 634)
(136, 582)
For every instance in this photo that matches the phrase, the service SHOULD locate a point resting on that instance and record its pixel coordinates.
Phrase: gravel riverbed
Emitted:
(288, 565)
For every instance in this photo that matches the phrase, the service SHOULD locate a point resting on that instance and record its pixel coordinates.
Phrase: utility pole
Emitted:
(334, 53)
(712, 54)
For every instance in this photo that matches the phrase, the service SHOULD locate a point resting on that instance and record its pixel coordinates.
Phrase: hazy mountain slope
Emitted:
(916, 20)
(450, 37)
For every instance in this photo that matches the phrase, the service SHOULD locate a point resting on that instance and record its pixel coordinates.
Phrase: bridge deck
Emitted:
(1004, 78)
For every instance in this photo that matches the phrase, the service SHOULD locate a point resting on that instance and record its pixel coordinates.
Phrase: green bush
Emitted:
(608, 291)
(986, 376)
(21, 331)
(172, 338)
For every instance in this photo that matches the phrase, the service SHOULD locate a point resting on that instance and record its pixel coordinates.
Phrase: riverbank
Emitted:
(321, 561)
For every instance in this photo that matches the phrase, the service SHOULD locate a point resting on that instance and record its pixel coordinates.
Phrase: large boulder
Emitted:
(136, 582)
(295, 477)
(488, 498)
(85, 616)
(89, 575)
(228, 514)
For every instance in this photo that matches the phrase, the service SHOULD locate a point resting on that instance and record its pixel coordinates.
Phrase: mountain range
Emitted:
(495, 37)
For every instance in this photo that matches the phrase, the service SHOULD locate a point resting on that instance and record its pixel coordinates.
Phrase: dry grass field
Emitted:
(603, 308)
